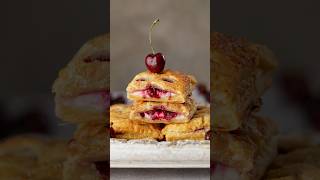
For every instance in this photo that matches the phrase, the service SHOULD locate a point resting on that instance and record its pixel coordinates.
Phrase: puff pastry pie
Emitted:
(161, 112)
(298, 164)
(124, 128)
(240, 74)
(168, 86)
(82, 87)
(196, 129)
(247, 152)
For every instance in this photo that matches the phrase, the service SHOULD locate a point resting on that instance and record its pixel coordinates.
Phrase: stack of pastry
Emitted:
(82, 97)
(243, 144)
(162, 109)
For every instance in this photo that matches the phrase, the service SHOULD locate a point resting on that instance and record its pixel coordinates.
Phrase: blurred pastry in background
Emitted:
(240, 73)
(82, 87)
(89, 142)
(87, 152)
(245, 153)
(32, 157)
(301, 162)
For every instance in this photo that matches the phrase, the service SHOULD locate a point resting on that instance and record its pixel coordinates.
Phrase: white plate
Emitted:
(153, 154)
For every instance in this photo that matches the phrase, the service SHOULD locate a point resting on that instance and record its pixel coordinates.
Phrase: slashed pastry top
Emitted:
(124, 128)
(163, 112)
(168, 86)
(195, 129)
(87, 72)
(240, 74)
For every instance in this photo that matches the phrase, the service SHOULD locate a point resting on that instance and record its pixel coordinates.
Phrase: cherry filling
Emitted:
(153, 92)
(103, 169)
(159, 113)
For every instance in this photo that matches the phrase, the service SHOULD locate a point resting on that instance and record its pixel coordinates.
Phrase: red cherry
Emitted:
(155, 62)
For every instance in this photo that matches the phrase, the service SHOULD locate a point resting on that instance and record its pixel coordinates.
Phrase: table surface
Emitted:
(159, 174)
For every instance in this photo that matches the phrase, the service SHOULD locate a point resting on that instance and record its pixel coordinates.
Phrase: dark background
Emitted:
(291, 29)
(37, 39)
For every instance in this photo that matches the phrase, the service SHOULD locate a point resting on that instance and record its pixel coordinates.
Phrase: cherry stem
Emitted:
(150, 32)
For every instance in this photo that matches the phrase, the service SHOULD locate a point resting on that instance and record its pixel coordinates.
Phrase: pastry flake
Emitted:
(161, 112)
(124, 128)
(168, 86)
(82, 87)
(240, 73)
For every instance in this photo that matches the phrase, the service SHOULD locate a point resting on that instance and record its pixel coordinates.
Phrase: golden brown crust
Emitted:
(185, 111)
(125, 128)
(88, 71)
(240, 148)
(181, 85)
(240, 73)
(195, 129)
